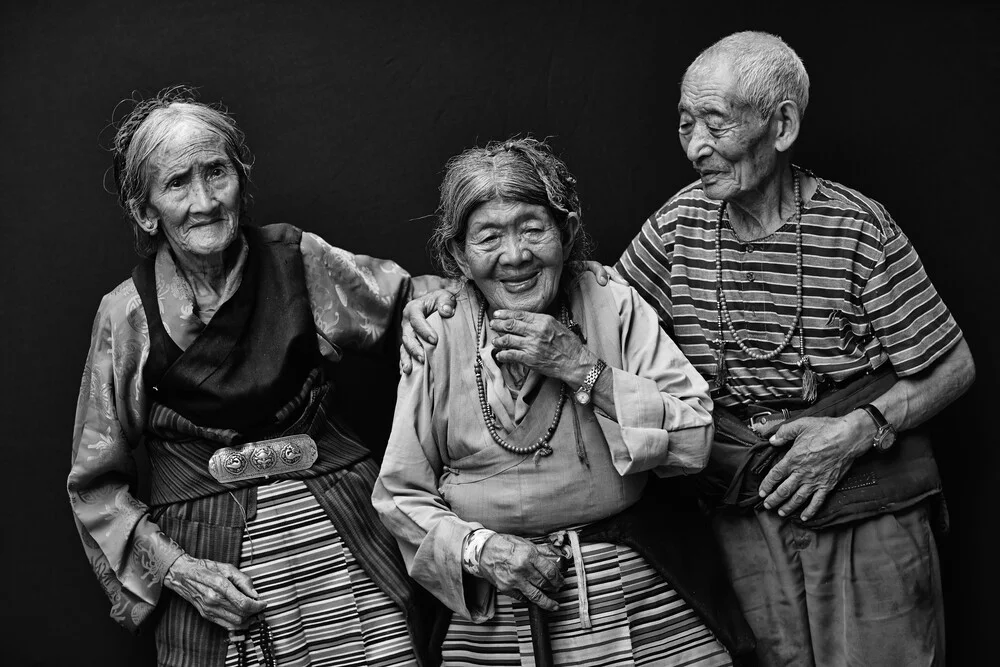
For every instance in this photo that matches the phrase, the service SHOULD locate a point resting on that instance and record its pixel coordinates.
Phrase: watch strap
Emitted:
(592, 375)
(880, 421)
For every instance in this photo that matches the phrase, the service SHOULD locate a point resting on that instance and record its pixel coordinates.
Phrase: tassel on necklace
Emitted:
(810, 381)
(721, 372)
(581, 451)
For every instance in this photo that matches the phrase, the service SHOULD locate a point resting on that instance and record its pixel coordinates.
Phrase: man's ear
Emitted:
(788, 121)
(458, 255)
(570, 232)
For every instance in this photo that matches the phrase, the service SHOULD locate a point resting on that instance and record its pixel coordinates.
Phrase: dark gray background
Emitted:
(352, 110)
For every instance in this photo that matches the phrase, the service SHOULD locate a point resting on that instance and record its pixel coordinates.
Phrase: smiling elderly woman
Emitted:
(212, 354)
(532, 426)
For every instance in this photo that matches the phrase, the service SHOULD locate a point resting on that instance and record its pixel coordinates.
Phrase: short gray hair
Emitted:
(145, 127)
(767, 70)
(517, 170)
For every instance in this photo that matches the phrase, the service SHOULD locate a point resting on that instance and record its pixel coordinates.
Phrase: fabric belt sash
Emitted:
(877, 482)
(180, 464)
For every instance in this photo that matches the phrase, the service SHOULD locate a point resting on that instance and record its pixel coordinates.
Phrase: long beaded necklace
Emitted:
(809, 379)
(541, 446)
(265, 644)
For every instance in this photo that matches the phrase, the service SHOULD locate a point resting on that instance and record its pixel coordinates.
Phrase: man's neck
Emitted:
(763, 211)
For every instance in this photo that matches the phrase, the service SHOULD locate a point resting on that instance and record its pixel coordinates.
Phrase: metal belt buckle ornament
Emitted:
(264, 458)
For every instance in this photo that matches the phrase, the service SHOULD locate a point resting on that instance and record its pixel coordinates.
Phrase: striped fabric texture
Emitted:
(323, 610)
(867, 298)
(638, 619)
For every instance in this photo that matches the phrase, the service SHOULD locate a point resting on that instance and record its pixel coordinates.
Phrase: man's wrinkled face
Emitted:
(728, 144)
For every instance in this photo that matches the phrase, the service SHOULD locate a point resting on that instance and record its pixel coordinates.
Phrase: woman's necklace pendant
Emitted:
(544, 450)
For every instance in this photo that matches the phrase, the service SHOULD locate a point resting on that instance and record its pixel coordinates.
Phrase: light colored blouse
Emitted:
(355, 301)
(443, 475)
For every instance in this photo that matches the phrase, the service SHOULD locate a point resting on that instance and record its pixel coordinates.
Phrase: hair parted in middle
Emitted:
(517, 170)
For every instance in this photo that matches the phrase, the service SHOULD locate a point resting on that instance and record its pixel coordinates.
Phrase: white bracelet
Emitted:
(472, 550)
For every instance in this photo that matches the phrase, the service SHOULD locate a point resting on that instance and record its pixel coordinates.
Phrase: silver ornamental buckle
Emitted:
(264, 458)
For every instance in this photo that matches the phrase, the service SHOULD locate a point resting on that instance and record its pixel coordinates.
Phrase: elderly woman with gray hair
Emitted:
(527, 438)
(259, 530)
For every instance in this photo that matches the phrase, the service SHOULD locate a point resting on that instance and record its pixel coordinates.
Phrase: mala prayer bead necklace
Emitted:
(264, 643)
(809, 379)
(541, 446)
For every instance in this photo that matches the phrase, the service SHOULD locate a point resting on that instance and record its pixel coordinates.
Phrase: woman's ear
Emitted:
(458, 255)
(571, 230)
(146, 218)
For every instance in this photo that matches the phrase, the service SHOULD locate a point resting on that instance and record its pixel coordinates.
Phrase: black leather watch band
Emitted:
(886, 434)
(876, 415)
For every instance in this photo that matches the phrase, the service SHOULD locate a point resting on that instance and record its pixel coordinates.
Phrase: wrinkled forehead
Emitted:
(182, 139)
(502, 212)
(708, 88)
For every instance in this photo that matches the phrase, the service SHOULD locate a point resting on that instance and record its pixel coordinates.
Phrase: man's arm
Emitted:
(823, 448)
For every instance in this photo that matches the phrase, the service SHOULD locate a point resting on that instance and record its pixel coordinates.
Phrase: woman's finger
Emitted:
(615, 276)
(241, 580)
(536, 596)
(414, 350)
(549, 571)
(518, 327)
(444, 303)
(422, 328)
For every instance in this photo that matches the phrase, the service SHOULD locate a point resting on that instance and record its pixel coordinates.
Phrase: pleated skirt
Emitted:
(323, 610)
(638, 619)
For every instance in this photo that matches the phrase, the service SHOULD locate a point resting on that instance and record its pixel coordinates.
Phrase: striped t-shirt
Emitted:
(867, 298)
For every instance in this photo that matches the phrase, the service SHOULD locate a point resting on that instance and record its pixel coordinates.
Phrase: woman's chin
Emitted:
(532, 302)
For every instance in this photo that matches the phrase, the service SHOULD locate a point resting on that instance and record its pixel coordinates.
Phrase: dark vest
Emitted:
(253, 356)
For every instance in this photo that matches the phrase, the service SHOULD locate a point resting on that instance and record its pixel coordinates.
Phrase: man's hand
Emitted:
(522, 570)
(219, 591)
(415, 315)
(823, 448)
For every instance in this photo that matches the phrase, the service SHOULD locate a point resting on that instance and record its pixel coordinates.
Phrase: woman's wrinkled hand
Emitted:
(602, 273)
(522, 570)
(415, 325)
(219, 591)
(541, 342)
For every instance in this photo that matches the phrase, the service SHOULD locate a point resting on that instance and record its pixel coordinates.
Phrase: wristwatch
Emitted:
(582, 395)
(886, 434)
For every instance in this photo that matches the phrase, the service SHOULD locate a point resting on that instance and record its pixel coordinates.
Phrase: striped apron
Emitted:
(322, 609)
(637, 619)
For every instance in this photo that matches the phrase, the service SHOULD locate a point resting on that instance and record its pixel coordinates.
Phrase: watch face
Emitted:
(582, 397)
(884, 438)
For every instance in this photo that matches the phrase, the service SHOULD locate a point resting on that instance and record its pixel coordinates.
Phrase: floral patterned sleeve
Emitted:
(356, 300)
(127, 551)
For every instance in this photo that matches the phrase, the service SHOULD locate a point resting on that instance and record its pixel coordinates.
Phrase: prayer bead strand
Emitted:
(541, 446)
(726, 321)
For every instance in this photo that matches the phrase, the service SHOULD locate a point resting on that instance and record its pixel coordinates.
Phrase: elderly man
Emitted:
(789, 291)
